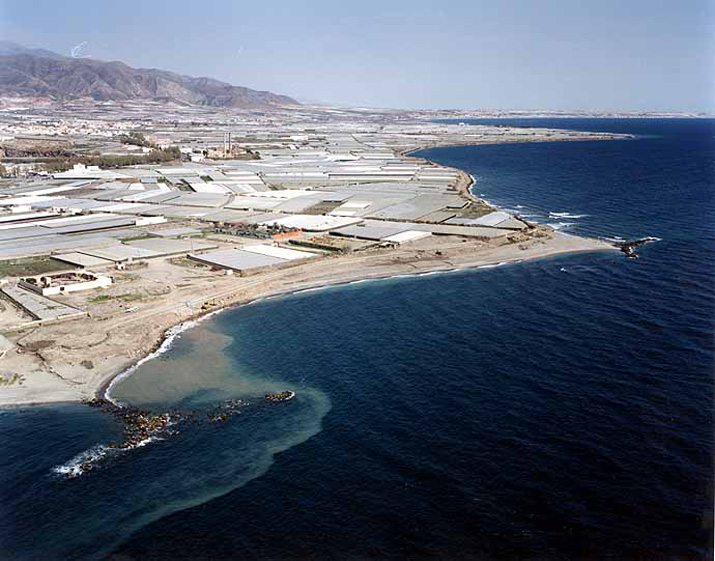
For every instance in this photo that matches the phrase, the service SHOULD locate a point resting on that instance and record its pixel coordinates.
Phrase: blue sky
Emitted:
(547, 54)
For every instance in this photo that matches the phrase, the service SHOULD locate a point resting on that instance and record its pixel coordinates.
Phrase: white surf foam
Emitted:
(314, 289)
(566, 215)
(430, 273)
(560, 225)
(492, 265)
(363, 281)
(73, 468)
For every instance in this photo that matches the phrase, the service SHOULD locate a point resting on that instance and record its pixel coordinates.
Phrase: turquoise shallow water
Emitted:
(554, 409)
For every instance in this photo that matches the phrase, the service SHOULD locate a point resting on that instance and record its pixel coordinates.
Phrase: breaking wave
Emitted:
(561, 225)
(492, 265)
(566, 215)
(86, 460)
(76, 466)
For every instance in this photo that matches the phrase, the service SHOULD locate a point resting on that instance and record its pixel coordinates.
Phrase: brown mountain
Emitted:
(36, 73)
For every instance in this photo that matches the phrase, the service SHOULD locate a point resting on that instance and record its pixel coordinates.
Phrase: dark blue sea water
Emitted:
(554, 409)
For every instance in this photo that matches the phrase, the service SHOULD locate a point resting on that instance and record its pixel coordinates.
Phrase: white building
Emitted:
(62, 283)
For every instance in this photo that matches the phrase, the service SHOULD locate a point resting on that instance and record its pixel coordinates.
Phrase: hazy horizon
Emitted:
(552, 55)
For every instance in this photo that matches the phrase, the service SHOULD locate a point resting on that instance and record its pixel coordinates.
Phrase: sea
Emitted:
(553, 409)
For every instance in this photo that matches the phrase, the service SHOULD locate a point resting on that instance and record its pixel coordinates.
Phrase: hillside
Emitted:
(38, 73)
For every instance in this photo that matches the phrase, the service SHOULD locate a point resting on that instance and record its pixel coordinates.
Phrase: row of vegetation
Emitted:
(55, 157)
(156, 156)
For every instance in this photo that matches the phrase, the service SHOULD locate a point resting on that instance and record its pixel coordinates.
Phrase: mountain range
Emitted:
(27, 72)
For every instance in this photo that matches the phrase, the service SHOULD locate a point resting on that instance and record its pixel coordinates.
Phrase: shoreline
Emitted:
(550, 244)
(167, 339)
(161, 346)
(558, 245)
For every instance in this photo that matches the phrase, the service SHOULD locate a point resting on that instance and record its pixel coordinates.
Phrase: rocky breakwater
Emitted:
(225, 411)
(629, 247)
(139, 424)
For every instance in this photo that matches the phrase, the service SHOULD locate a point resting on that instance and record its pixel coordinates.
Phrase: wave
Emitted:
(560, 225)
(256, 301)
(362, 281)
(430, 273)
(86, 460)
(492, 265)
(418, 275)
(307, 290)
(620, 239)
(566, 215)
(405, 276)
(76, 466)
